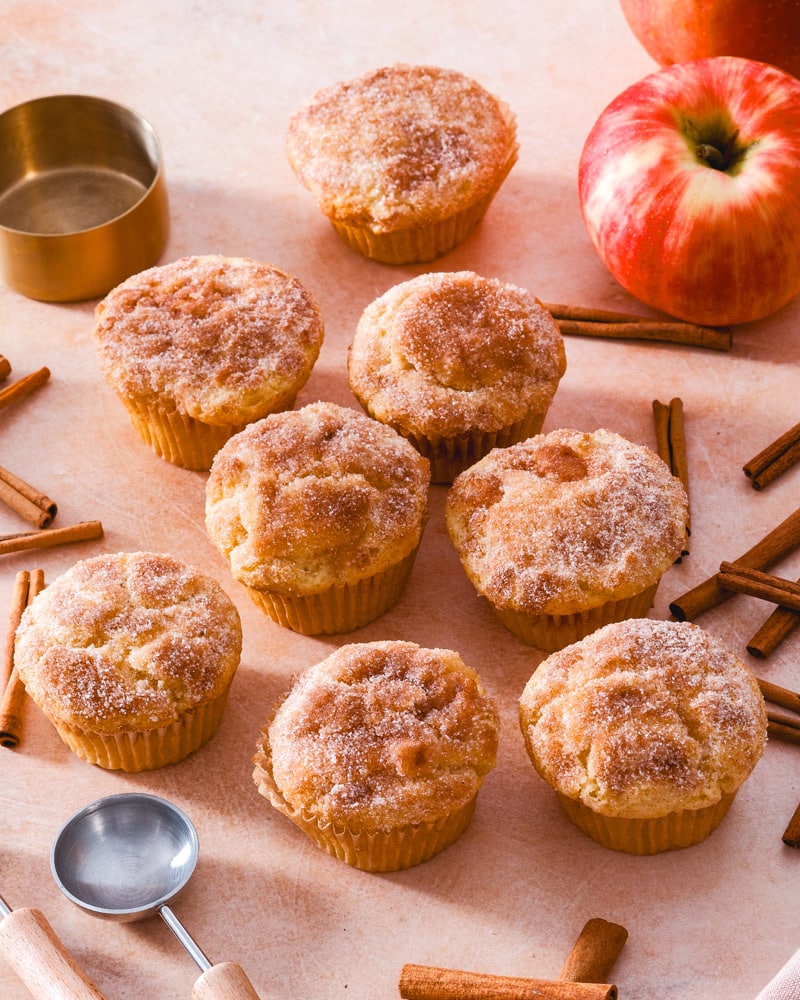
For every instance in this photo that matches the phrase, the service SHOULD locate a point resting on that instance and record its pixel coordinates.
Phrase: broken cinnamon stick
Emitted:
(81, 532)
(5, 368)
(779, 542)
(26, 500)
(772, 461)
(23, 387)
(19, 598)
(13, 699)
(755, 583)
(594, 953)
(671, 444)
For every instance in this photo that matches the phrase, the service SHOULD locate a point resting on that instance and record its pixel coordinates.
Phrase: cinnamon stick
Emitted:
(81, 532)
(19, 599)
(590, 961)
(779, 542)
(26, 500)
(5, 368)
(671, 444)
(717, 339)
(777, 627)
(772, 461)
(23, 387)
(791, 836)
(755, 583)
(781, 727)
(779, 695)
(13, 699)
(594, 953)
(425, 982)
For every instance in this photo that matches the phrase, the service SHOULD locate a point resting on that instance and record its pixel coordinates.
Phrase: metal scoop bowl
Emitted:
(124, 857)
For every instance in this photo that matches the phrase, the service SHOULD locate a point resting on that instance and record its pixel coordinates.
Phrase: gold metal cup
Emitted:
(83, 199)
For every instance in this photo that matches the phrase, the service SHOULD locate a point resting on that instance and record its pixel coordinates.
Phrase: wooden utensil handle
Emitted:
(33, 950)
(226, 981)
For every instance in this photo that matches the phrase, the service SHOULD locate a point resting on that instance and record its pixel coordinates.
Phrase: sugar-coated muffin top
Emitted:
(643, 718)
(127, 642)
(565, 521)
(401, 146)
(445, 354)
(380, 735)
(315, 497)
(224, 340)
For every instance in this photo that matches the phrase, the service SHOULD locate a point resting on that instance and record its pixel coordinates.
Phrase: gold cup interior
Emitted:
(83, 202)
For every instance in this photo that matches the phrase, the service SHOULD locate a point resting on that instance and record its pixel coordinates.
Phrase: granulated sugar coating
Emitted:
(644, 718)
(566, 521)
(381, 735)
(127, 641)
(400, 146)
(224, 340)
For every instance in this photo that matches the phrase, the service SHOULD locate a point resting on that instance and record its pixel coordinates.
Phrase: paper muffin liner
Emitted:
(450, 456)
(426, 242)
(181, 439)
(671, 832)
(340, 608)
(368, 850)
(550, 633)
(146, 750)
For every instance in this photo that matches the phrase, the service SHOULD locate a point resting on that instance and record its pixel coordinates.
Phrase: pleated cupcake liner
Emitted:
(672, 832)
(550, 633)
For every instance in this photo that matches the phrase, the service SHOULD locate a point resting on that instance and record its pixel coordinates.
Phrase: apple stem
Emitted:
(711, 155)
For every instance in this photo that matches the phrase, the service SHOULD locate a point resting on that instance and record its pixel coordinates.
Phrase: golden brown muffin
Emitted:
(378, 752)
(198, 348)
(646, 730)
(404, 160)
(567, 531)
(458, 364)
(131, 657)
(319, 513)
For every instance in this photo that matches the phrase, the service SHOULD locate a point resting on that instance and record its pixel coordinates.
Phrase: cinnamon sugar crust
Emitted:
(315, 497)
(380, 735)
(224, 340)
(644, 718)
(401, 146)
(566, 521)
(445, 354)
(127, 642)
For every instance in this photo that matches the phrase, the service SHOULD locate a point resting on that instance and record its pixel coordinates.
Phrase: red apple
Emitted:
(689, 184)
(681, 30)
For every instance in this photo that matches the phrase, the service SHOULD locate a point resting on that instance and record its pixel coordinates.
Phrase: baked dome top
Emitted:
(448, 353)
(642, 718)
(383, 734)
(400, 146)
(127, 641)
(563, 522)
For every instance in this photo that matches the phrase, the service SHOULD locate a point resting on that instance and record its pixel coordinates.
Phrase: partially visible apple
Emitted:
(689, 184)
(675, 31)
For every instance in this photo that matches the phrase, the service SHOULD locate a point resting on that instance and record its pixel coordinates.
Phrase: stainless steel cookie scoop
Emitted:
(124, 857)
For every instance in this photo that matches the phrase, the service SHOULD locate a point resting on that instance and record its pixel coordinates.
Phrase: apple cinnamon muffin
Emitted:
(646, 730)
(403, 160)
(131, 657)
(458, 364)
(198, 348)
(567, 531)
(378, 752)
(319, 513)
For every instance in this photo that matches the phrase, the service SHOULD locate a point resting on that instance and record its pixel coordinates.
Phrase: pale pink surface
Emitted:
(219, 82)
